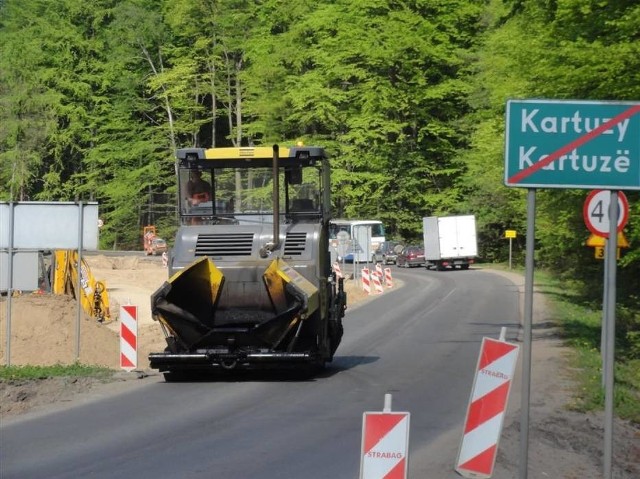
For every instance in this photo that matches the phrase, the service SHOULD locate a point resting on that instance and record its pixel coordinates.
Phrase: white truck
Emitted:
(449, 241)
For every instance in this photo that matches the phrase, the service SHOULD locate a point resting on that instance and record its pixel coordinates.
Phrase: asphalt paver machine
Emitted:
(250, 280)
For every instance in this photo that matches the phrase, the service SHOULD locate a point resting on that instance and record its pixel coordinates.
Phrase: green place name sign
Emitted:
(572, 144)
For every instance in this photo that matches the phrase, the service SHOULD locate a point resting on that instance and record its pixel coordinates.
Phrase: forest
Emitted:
(408, 97)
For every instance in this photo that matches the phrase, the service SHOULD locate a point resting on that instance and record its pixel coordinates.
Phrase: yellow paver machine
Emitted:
(251, 284)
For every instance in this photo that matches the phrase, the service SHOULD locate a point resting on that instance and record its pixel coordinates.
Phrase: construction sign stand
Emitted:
(388, 280)
(366, 281)
(128, 337)
(385, 444)
(487, 407)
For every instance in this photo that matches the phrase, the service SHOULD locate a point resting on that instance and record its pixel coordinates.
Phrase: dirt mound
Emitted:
(44, 332)
(44, 326)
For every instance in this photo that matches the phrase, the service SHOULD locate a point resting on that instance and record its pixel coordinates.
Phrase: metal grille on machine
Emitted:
(295, 243)
(226, 244)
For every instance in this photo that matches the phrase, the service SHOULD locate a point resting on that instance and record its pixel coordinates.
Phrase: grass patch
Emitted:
(12, 373)
(580, 324)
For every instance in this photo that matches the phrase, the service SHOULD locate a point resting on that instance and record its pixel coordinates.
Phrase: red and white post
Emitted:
(337, 270)
(487, 406)
(366, 281)
(128, 337)
(388, 280)
(377, 282)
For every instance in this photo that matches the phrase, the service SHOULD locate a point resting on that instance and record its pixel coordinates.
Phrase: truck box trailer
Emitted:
(450, 241)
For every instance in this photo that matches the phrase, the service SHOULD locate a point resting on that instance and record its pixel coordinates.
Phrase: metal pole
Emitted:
(276, 197)
(10, 281)
(603, 327)
(387, 403)
(510, 251)
(79, 282)
(528, 321)
(610, 281)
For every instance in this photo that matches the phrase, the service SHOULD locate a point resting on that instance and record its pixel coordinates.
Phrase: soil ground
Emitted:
(562, 443)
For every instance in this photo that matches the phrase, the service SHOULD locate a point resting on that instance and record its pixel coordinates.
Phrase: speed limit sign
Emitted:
(596, 212)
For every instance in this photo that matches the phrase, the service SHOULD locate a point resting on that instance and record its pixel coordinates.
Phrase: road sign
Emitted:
(128, 337)
(385, 445)
(596, 212)
(599, 252)
(601, 241)
(572, 144)
(485, 415)
(510, 234)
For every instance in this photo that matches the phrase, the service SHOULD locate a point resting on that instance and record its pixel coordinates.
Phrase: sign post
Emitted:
(572, 144)
(128, 337)
(510, 234)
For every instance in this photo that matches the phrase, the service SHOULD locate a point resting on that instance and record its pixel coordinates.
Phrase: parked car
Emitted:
(158, 246)
(410, 256)
(388, 252)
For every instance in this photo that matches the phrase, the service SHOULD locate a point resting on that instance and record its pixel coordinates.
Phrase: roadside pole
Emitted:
(79, 284)
(10, 283)
(528, 326)
(603, 325)
(510, 251)
(610, 325)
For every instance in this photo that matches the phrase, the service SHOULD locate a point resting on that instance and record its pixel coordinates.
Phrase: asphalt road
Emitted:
(418, 343)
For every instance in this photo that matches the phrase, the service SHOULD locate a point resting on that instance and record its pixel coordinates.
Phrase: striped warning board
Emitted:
(485, 414)
(385, 445)
(387, 278)
(128, 337)
(366, 281)
(376, 278)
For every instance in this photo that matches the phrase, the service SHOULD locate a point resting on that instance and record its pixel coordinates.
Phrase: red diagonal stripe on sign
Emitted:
(131, 310)
(128, 336)
(125, 362)
(488, 406)
(379, 426)
(482, 463)
(574, 144)
(398, 471)
(493, 350)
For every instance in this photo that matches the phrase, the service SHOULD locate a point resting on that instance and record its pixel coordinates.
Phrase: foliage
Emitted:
(408, 97)
(11, 373)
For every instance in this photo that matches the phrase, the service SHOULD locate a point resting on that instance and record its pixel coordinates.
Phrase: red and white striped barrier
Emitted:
(485, 414)
(366, 281)
(165, 259)
(377, 282)
(388, 280)
(337, 270)
(379, 269)
(128, 337)
(385, 445)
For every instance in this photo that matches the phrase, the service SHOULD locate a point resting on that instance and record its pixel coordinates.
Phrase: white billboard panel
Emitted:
(49, 225)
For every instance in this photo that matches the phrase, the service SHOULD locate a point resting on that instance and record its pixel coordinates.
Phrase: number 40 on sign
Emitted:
(596, 212)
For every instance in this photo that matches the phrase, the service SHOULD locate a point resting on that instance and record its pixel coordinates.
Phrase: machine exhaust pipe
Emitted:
(270, 247)
(276, 197)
